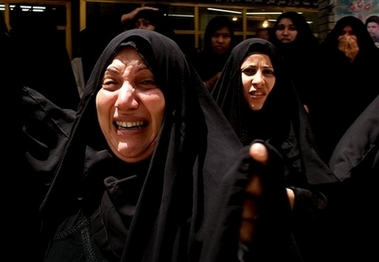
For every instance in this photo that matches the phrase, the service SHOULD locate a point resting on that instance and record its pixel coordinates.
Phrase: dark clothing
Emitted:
(283, 123)
(95, 37)
(101, 208)
(345, 88)
(40, 131)
(300, 55)
(206, 62)
(45, 61)
(273, 240)
(355, 161)
(100, 31)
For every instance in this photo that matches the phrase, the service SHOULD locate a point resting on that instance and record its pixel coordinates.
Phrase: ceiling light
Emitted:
(224, 10)
(181, 15)
(263, 13)
(265, 23)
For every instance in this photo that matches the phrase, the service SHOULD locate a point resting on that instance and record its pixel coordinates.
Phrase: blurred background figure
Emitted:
(299, 47)
(355, 161)
(372, 25)
(263, 33)
(347, 81)
(219, 40)
(101, 30)
(46, 62)
(150, 18)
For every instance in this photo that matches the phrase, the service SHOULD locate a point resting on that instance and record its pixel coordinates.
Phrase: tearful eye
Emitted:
(268, 72)
(249, 71)
(109, 82)
(148, 82)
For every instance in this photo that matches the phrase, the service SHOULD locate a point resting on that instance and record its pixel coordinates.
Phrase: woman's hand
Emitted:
(254, 191)
(125, 18)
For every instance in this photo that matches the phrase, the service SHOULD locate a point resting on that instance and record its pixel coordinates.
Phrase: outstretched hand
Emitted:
(125, 18)
(254, 192)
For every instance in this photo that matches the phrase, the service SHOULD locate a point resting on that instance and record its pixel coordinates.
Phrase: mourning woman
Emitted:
(257, 97)
(143, 171)
(347, 81)
(219, 40)
(293, 36)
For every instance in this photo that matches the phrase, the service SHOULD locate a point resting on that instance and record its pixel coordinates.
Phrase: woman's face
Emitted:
(221, 41)
(348, 31)
(348, 43)
(143, 23)
(286, 31)
(130, 107)
(258, 79)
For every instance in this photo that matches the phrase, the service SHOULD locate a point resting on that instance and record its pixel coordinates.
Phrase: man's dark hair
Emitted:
(372, 19)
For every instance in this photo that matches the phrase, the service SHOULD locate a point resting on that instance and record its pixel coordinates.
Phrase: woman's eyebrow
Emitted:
(111, 70)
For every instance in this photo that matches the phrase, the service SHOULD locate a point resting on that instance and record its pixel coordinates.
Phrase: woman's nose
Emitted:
(258, 78)
(127, 97)
(220, 39)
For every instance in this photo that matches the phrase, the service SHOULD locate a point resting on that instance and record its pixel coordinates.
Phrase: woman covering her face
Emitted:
(347, 81)
(257, 97)
(148, 155)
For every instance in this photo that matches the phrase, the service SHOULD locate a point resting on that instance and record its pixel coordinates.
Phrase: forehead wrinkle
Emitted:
(120, 64)
(259, 60)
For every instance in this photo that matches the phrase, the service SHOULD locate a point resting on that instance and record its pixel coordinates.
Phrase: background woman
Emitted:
(257, 97)
(219, 40)
(138, 176)
(294, 38)
(347, 81)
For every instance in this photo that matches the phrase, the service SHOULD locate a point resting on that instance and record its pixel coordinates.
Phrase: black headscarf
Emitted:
(304, 35)
(365, 43)
(215, 24)
(299, 55)
(207, 62)
(162, 205)
(344, 88)
(282, 118)
(283, 123)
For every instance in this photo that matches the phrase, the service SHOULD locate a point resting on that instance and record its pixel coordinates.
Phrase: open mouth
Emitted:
(120, 125)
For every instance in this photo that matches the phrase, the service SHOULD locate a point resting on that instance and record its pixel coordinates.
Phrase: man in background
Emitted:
(372, 25)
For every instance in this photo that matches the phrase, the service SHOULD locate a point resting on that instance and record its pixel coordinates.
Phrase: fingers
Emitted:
(249, 219)
(250, 211)
(259, 153)
(148, 8)
(254, 191)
